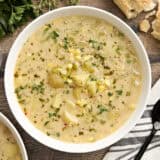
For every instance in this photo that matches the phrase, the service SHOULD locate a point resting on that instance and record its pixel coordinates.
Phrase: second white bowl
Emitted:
(12, 129)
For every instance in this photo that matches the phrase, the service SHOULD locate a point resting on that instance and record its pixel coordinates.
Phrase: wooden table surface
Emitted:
(37, 151)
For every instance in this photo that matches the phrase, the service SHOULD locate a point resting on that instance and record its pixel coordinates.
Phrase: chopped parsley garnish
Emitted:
(96, 45)
(110, 94)
(57, 134)
(38, 88)
(18, 91)
(119, 92)
(53, 114)
(41, 99)
(66, 43)
(118, 49)
(48, 134)
(102, 109)
(128, 93)
(92, 78)
(81, 133)
(46, 123)
(102, 121)
(22, 101)
(54, 35)
(47, 27)
(92, 130)
(129, 61)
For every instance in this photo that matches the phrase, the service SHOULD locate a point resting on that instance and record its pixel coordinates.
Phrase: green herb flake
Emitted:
(119, 92)
(41, 99)
(66, 43)
(18, 91)
(48, 134)
(96, 45)
(120, 34)
(46, 123)
(80, 115)
(129, 61)
(93, 64)
(57, 134)
(110, 94)
(38, 88)
(118, 49)
(92, 78)
(81, 133)
(102, 121)
(92, 130)
(102, 109)
(128, 93)
(16, 75)
(54, 114)
(22, 101)
(53, 35)
(46, 29)
(67, 91)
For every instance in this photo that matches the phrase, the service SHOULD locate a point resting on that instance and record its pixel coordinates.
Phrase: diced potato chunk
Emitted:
(57, 101)
(69, 118)
(69, 66)
(75, 65)
(137, 83)
(80, 79)
(55, 80)
(77, 93)
(78, 58)
(70, 103)
(89, 67)
(75, 52)
(87, 57)
(92, 87)
(62, 71)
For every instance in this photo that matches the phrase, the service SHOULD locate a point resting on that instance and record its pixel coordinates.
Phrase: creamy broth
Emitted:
(9, 149)
(78, 79)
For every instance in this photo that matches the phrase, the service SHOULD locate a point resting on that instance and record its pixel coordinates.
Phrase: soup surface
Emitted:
(9, 149)
(78, 79)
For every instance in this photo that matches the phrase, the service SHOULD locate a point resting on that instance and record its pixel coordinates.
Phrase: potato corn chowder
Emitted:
(77, 79)
(9, 149)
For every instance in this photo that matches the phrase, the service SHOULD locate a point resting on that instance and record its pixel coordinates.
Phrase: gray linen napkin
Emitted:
(127, 148)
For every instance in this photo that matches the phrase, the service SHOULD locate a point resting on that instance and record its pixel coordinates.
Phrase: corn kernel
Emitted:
(69, 66)
(107, 82)
(101, 88)
(81, 102)
(75, 52)
(78, 57)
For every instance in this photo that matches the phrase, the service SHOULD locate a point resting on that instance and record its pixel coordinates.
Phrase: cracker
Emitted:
(144, 26)
(156, 24)
(131, 8)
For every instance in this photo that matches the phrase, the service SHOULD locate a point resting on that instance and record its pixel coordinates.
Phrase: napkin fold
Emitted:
(128, 147)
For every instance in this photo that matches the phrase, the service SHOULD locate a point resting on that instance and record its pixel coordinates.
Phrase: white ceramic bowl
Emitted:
(9, 125)
(16, 109)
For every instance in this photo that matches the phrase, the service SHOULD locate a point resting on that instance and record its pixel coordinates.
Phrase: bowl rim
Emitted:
(15, 134)
(57, 144)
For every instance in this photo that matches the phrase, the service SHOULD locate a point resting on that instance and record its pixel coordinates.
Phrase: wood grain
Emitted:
(37, 151)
